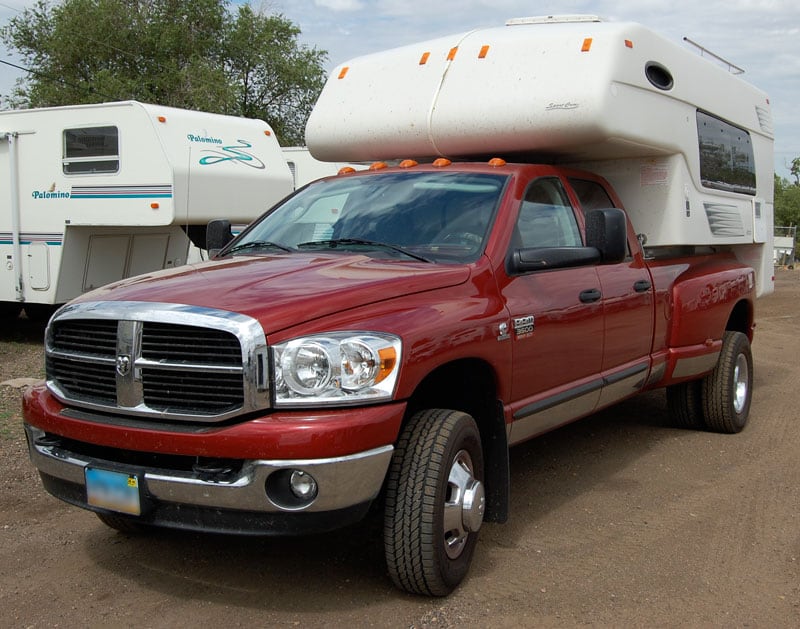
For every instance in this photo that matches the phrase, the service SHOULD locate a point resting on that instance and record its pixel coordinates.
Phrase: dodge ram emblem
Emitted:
(123, 365)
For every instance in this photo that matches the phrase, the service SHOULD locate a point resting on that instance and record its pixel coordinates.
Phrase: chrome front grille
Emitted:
(164, 341)
(157, 360)
(186, 392)
(84, 378)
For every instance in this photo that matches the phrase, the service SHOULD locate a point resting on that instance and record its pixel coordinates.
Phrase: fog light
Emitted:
(303, 485)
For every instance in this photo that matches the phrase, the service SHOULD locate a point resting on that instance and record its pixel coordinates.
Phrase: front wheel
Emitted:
(434, 502)
(728, 390)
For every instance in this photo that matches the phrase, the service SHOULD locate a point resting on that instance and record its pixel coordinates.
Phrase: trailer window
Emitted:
(726, 156)
(91, 150)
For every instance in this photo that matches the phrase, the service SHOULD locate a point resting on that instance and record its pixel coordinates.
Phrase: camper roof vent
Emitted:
(553, 19)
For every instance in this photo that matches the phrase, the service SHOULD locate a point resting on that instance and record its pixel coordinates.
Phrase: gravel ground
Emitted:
(618, 520)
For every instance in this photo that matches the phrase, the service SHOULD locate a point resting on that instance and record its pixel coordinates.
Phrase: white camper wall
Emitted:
(615, 98)
(81, 226)
(224, 166)
(571, 90)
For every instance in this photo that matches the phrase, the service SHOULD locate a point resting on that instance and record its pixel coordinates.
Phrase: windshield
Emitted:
(433, 217)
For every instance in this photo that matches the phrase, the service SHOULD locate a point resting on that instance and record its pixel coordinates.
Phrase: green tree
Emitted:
(272, 74)
(795, 170)
(195, 54)
(787, 202)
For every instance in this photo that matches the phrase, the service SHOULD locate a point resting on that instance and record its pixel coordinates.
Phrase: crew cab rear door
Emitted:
(628, 308)
(556, 319)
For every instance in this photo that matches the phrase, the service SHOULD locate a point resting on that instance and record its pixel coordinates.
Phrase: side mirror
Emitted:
(218, 234)
(607, 230)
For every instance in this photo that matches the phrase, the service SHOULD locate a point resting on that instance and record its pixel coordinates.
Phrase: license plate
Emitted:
(114, 491)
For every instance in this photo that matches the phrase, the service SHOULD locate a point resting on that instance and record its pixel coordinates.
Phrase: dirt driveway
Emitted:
(618, 520)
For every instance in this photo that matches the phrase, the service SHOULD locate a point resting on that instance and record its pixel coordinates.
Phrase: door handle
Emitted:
(642, 286)
(590, 295)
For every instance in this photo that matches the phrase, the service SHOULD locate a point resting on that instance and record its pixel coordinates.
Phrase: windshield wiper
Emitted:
(258, 244)
(344, 242)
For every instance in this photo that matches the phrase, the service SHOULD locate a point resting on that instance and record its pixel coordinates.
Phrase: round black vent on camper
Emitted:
(658, 75)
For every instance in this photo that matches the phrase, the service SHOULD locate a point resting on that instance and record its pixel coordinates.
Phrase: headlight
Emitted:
(336, 368)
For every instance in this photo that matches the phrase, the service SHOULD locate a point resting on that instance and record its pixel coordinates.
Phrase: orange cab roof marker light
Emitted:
(162, 118)
(424, 58)
(497, 162)
(378, 166)
(343, 72)
(587, 44)
(346, 170)
(452, 54)
(408, 163)
(484, 51)
(441, 162)
(628, 43)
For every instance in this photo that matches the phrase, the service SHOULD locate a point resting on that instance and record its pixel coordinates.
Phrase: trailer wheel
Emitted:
(122, 524)
(685, 404)
(434, 502)
(727, 391)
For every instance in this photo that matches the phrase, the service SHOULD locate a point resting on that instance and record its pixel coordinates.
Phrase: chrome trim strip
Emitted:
(145, 363)
(558, 399)
(623, 384)
(343, 481)
(563, 410)
(657, 373)
(695, 366)
(560, 409)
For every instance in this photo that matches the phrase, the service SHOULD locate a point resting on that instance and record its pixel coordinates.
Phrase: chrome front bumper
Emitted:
(342, 482)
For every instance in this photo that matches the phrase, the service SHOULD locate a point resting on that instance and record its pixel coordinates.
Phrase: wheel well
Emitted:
(470, 386)
(741, 319)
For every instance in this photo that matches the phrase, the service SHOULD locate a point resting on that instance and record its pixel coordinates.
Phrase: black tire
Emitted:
(122, 524)
(434, 502)
(728, 390)
(685, 404)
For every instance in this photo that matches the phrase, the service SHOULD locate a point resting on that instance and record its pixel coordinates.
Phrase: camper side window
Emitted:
(91, 150)
(726, 156)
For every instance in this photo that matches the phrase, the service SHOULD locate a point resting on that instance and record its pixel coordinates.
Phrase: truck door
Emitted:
(556, 320)
(628, 309)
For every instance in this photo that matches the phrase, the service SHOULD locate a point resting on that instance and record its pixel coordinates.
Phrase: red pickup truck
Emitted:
(382, 337)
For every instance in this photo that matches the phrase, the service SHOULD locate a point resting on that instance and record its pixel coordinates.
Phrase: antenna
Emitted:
(732, 68)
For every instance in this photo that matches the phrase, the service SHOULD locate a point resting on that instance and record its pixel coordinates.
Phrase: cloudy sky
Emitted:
(760, 36)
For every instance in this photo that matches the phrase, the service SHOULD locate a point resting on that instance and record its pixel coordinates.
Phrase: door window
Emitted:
(546, 218)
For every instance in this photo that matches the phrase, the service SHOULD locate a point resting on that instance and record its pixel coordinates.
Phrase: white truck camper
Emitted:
(687, 144)
(97, 193)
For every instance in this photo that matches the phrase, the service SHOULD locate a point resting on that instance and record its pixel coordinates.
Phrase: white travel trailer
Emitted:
(305, 168)
(687, 144)
(97, 193)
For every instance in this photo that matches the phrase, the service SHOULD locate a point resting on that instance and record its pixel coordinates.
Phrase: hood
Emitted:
(284, 290)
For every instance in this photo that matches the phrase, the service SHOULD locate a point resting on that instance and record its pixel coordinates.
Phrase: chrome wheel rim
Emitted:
(464, 504)
(741, 382)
